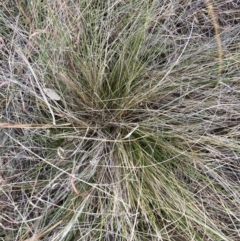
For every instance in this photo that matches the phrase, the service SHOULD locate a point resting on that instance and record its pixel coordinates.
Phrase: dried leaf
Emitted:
(1, 40)
(52, 94)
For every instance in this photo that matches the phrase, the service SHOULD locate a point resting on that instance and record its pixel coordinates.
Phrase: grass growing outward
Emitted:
(119, 120)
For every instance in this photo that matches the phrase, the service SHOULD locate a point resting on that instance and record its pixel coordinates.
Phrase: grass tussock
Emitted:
(119, 120)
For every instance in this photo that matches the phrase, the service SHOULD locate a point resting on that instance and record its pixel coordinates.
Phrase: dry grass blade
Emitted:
(20, 126)
(36, 237)
(217, 35)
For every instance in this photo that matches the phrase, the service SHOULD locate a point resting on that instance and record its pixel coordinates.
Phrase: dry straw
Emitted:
(214, 17)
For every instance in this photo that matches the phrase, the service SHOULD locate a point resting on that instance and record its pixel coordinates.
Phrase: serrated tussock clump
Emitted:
(119, 120)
